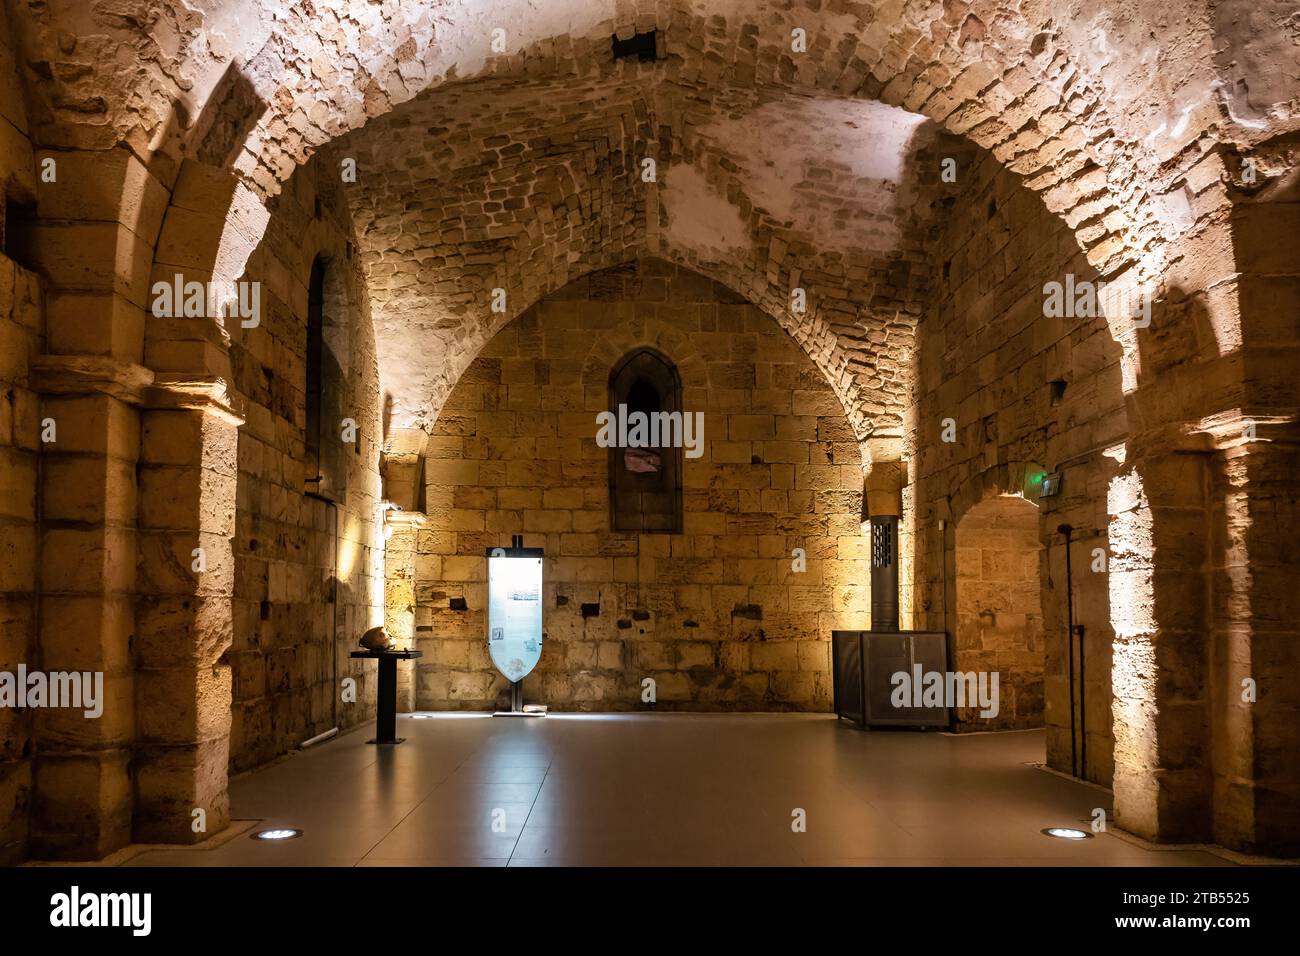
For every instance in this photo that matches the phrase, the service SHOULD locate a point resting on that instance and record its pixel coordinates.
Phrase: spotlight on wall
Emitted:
(277, 833)
(1066, 833)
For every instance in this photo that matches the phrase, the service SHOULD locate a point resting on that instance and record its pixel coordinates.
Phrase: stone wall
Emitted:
(22, 339)
(718, 616)
(22, 330)
(999, 617)
(292, 628)
(986, 359)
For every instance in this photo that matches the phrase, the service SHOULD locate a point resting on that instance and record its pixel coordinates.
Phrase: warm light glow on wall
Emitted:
(1133, 670)
(1126, 303)
(347, 548)
(907, 554)
(375, 579)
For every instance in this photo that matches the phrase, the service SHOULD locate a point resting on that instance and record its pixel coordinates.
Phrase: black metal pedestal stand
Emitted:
(386, 718)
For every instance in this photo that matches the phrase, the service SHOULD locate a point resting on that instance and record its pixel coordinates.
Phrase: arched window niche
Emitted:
(326, 467)
(645, 484)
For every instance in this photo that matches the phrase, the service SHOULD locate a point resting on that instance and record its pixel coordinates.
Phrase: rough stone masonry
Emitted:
(836, 219)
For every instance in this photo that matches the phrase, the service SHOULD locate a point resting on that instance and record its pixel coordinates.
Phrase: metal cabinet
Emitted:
(864, 665)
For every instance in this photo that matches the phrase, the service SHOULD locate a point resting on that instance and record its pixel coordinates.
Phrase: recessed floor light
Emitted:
(278, 833)
(421, 716)
(1066, 833)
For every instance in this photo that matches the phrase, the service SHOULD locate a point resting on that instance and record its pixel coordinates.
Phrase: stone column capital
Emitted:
(91, 374)
(882, 491)
(207, 394)
(404, 520)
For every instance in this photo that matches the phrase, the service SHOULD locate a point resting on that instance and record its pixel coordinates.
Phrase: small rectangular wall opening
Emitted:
(641, 46)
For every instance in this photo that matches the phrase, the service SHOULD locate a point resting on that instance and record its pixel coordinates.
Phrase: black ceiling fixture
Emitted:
(641, 46)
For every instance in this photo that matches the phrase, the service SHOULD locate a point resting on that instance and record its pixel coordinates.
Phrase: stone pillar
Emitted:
(1256, 648)
(88, 550)
(1158, 600)
(92, 241)
(188, 477)
(184, 616)
(1256, 502)
(401, 530)
(1202, 581)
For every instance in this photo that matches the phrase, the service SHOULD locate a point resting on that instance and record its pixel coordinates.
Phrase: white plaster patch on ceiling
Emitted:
(1180, 124)
(1100, 48)
(1126, 48)
(787, 149)
(1237, 104)
(1174, 210)
(698, 217)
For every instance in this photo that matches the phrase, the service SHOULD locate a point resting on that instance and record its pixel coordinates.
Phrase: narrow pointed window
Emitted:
(645, 472)
(327, 430)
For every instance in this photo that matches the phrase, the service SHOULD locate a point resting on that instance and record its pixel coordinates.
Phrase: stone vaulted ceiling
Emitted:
(524, 184)
(1102, 108)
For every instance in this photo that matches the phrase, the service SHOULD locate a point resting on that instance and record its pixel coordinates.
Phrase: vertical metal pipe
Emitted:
(1083, 707)
(1065, 529)
(334, 617)
(949, 636)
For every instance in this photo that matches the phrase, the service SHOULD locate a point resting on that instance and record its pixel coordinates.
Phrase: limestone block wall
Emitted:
(22, 339)
(987, 358)
(293, 628)
(718, 616)
(22, 331)
(999, 620)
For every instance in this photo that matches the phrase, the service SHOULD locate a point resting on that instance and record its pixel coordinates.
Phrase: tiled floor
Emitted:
(667, 789)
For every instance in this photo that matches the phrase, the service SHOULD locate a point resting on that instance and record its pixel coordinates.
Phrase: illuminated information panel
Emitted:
(515, 610)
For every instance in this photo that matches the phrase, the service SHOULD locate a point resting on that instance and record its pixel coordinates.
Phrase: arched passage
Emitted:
(999, 626)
